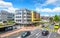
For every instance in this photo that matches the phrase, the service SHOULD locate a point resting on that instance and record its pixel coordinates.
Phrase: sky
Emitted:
(44, 7)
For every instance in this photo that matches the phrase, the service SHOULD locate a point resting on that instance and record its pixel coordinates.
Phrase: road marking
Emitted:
(49, 35)
(18, 37)
(37, 34)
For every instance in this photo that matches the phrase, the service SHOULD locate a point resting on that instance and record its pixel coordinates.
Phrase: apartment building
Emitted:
(10, 16)
(23, 16)
(4, 16)
(35, 16)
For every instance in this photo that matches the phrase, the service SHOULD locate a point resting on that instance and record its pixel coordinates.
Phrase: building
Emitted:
(10, 16)
(4, 16)
(35, 16)
(45, 18)
(23, 16)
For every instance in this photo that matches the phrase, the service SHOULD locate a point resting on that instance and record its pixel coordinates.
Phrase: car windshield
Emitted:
(56, 25)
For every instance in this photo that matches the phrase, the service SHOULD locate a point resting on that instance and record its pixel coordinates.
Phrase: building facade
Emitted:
(23, 16)
(10, 16)
(4, 16)
(35, 16)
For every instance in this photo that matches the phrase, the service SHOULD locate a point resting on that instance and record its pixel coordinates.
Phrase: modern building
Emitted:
(4, 16)
(35, 16)
(45, 18)
(10, 16)
(23, 16)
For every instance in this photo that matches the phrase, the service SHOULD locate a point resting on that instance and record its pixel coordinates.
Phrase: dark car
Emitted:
(45, 32)
(25, 34)
(52, 23)
(43, 26)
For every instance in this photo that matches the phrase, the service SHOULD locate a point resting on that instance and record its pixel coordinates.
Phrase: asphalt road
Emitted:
(37, 34)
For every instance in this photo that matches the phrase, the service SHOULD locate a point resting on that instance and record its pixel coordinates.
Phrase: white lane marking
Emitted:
(38, 34)
(49, 35)
(18, 37)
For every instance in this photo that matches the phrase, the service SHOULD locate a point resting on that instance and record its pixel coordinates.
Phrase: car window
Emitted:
(56, 25)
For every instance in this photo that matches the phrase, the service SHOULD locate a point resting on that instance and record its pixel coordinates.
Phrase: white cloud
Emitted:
(57, 9)
(48, 10)
(43, 10)
(8, 6)
(11, 9)
(53, 2)
(45, 15)
(5, 4)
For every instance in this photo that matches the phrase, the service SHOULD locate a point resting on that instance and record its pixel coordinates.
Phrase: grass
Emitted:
(9, 23)
(1, 25)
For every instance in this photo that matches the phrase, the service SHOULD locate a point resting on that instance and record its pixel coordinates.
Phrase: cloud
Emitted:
(57, 9)
(48, 10)
(4, 4)
(45, 15)
(10, 10)
(47, 2)
(8, 6)
(43, 10)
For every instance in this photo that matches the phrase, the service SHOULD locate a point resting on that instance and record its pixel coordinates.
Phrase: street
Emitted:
(37, 33)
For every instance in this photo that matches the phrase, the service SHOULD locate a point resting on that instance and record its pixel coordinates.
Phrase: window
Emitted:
(18, 16)
(28, 20)
(18, 20)
(29, 13)
(24, 13)
(0, 20)
(18, 12)
(28, 16)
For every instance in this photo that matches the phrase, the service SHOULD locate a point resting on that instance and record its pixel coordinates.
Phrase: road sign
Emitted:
(58, 31)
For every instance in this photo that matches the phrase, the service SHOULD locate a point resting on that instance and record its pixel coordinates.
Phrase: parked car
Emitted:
(45, 32)
(52, 23)
(25, 34)
(43, 25)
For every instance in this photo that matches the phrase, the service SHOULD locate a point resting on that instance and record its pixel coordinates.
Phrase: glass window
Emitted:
(18, 16)
(29, 13)
(28, 20)
(18, 20)
(28, 16)
(0, 20)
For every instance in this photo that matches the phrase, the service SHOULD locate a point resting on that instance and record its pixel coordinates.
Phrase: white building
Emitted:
(4, 16)
(23, 16)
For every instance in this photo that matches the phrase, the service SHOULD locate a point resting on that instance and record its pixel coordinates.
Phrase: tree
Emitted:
(56, 18)
(51, 19)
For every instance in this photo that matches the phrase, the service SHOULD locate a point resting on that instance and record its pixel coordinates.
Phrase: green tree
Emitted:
(51, 19)
(56, 18)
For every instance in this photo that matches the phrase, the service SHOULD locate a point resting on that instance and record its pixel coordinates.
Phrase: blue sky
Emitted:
(44, 7)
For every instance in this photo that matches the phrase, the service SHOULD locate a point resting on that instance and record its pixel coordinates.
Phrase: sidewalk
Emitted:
(17, 31)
